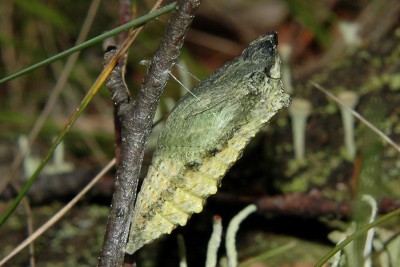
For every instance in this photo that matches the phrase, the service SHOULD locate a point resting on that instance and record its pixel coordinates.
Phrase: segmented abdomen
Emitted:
(172, 192)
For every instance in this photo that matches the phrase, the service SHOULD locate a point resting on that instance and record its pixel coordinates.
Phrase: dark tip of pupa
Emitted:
(274, 37)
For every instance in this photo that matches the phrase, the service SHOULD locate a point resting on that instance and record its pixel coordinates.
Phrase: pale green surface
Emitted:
(204, 136)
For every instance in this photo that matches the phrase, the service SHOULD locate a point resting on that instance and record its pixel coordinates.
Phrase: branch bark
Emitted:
(136, 120)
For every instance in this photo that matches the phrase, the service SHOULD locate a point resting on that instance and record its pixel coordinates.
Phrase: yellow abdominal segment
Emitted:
(171, 193)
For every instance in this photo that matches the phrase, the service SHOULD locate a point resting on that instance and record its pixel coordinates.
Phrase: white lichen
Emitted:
(350, 32)
(285, 51)
(182, 251)
(32, 162)
(349, 100)
(371, 232)
(233, 227)
(58, 165)
(299, 111)
(214, 243)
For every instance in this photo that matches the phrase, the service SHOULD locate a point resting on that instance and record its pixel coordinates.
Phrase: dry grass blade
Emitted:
(54, 95)
(359, 116)
(59, 214)
(84, 103)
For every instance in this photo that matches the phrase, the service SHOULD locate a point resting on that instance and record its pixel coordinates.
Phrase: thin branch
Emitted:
(136, 123)
(314, 205)
(125, 15)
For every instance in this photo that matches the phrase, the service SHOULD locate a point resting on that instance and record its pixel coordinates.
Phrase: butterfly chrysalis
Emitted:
(204, 136)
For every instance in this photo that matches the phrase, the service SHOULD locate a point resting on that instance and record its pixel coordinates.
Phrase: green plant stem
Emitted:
(66, 128)
(358, 233)
(268, 254)
(31, 180)
(132, 24)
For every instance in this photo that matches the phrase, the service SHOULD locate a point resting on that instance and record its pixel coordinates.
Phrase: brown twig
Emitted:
(308, 205)
(136, 122)
(125, 14)
(314, 205)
